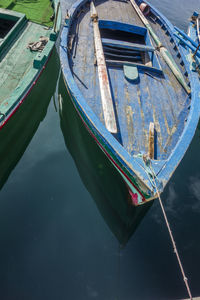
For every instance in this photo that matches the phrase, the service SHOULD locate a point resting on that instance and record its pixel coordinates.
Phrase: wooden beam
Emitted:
(56, 18)
(151, 140)
(121, 63)
(198, 33)
(106, 98)
(127, 45)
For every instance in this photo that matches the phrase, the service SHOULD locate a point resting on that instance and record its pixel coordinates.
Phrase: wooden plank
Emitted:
(121, 63)
(151, 140)
(120, 56)
(115, 25)
(121, 50)
(106, 98)
(198, 33)
(146, 59)
(56, 18)
(127, 45)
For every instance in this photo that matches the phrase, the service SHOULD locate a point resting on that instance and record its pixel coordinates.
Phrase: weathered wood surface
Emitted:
(136, 104)
(106, 98)
(18, 61)
(151, 140)
(198, 32)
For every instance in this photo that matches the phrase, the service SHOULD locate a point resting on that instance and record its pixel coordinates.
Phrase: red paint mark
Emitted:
(134, 197)
(104, 77)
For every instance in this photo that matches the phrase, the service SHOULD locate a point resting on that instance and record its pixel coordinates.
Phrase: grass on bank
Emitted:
(38, 11)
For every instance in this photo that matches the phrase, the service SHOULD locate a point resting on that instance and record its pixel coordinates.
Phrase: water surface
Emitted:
(55, 240)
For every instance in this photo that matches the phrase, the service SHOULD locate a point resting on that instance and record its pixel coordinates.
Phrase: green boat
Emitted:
(28, 32)
(19, 131)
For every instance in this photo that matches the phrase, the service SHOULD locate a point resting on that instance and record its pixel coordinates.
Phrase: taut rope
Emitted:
(172, 240)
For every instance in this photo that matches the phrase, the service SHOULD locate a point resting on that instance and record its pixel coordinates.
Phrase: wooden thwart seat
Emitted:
(127, 45)
(121, 63)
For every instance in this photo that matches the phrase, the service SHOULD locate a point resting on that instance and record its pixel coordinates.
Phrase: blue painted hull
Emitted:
(156, 97)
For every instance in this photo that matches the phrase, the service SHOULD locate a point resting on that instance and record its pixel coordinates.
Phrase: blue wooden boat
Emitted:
(133, 89)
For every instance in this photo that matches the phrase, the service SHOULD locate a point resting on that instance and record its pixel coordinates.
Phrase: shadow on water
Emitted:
(98, 175)
(18, 132)
(54, 242)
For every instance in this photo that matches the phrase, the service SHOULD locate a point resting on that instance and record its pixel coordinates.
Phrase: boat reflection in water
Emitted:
(101, 179)
(18, 132)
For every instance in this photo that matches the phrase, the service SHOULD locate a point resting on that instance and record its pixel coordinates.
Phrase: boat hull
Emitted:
(10, 104)
(98, 174)
(19, 131)
(138, 191)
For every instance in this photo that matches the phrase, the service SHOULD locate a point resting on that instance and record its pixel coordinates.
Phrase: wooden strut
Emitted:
(56, 18)
(106, 98)
(151, 140)
(163, 51)
(194, 54)
(173, 241)
(198, 33)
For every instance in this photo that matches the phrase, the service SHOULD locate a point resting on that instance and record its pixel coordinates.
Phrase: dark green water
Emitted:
(58, 236)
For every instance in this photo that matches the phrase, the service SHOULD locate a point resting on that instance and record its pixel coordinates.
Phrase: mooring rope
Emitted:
(118, 272)
(172, 240)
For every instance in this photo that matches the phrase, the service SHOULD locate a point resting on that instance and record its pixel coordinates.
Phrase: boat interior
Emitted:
(16, 32)
(144, 89)
(5, 26)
